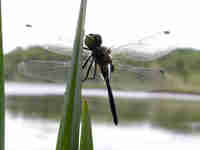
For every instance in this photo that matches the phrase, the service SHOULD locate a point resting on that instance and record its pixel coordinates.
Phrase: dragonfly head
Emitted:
(93, 41)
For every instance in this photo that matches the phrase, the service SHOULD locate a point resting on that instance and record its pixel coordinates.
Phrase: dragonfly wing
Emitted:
(138, 78)
(44, 70)
(67, 51)
(142, 72)
(50, 70)
(148, 48)
(59, 50)
(139, 52)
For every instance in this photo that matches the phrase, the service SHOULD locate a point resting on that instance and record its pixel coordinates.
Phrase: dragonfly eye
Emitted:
(93, 41)
(98, 39)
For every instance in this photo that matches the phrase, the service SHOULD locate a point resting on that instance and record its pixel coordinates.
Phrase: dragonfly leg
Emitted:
(94, 73)
(85, 48)
(86, 62)
(95, 70)
(88, 71)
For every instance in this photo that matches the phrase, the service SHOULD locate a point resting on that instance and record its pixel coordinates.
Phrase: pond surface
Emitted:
(39, 134)
(147, 120)
(35, 89)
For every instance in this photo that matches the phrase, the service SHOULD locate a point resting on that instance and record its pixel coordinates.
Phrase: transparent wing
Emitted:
(147, 49)
(137, 52)
(58, 49)
(55, 71)
(124, 76)
(61, 50)
(44, 70)
(139, 78)
(143, 71)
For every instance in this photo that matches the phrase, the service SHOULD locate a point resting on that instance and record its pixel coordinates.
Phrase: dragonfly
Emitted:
(99, 57)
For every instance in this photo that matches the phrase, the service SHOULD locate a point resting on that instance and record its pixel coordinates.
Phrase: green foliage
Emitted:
(86, 142)
(190, 58)
(68, 137)
(180, 65)
(2, 94)
(11, 61)
(182, 62)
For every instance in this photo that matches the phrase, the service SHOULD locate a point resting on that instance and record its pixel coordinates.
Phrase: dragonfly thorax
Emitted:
(102, 55)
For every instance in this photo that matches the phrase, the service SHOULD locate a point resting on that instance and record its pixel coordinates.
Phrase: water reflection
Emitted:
(150, 120)
(41, 134)
(178, 116)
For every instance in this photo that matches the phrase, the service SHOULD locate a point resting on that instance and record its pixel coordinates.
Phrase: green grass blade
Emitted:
(2, 95)
(68, 137)
(86, 142)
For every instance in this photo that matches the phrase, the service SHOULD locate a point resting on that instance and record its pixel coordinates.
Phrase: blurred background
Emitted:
(155, 83)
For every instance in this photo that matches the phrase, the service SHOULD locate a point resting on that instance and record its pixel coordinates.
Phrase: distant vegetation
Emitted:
(20, 54)
(181, 65)
(184, 63)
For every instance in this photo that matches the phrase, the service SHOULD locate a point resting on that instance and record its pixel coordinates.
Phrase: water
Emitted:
(147, 120)
(41, 134)
(58, 89)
